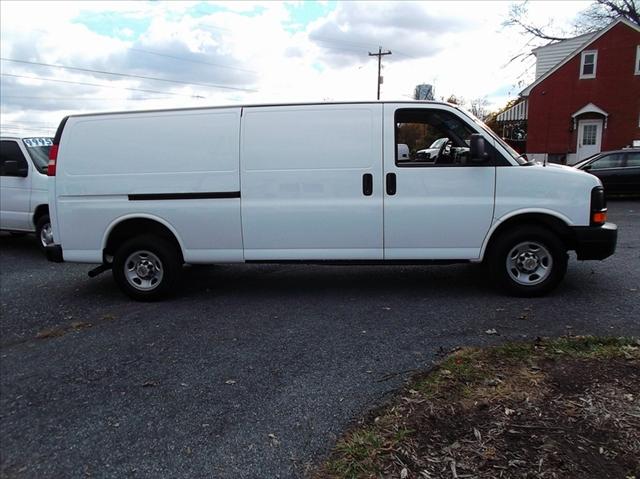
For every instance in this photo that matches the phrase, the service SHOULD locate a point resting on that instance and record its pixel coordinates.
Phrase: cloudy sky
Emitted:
(155, 54)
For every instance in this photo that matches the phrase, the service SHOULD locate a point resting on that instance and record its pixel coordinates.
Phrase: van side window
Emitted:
(431, 138)
(10, 151)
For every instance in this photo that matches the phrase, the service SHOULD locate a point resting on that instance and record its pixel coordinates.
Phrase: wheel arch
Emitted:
(39, 212)
(557, 223)
(129, 226)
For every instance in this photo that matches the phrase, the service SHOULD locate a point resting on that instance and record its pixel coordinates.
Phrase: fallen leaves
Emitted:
(560, 408)
(77, 325)
(273, 439)
(50, 333)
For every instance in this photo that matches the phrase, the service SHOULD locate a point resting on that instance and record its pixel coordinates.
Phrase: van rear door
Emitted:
(311, 180)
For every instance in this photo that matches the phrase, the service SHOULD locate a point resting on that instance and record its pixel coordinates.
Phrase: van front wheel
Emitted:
(146, 268)
(528, 261)
(43, 231)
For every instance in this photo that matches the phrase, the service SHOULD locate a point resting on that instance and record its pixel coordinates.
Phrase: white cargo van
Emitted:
(144, 192)
(23, 187)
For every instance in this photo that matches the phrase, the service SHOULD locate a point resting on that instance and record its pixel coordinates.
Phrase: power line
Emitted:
(359, 50)
(182, 59)
(19, 130)
(364, 45)
(63, 98)
(101, 86)
(102, 72)
(19, 121)
(22, 123)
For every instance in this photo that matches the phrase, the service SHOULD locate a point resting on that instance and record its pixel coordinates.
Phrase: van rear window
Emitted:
(38, 149)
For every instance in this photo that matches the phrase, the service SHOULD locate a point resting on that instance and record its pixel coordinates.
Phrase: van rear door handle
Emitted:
(391, 184)
(367, 184)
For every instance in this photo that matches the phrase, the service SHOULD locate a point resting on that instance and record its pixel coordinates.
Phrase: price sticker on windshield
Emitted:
(35, 142)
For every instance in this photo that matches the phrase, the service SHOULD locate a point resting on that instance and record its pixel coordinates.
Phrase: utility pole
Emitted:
(380, 54)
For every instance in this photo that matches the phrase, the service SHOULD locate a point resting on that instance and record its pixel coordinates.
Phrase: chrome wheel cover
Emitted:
(529, 263)
(143, 270)
(46, 235)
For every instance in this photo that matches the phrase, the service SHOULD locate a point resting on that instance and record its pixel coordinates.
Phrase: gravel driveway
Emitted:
(251, 371)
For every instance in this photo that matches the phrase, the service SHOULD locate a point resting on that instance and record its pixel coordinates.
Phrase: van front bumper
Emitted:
(595, 242)
(54, 253)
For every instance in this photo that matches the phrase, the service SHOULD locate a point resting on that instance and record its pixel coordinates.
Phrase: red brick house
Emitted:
(586, 96)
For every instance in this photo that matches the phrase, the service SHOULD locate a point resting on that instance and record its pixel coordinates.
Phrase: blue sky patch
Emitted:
(303, 13)
(203, 9)
(114, 24)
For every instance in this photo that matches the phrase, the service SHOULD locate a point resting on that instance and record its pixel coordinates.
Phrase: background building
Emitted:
(585, 98)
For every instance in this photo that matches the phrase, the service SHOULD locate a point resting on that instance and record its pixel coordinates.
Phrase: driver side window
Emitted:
(431, 138)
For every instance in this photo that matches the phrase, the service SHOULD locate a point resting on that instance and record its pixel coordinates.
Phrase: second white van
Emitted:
(141, 193)
(23, 187)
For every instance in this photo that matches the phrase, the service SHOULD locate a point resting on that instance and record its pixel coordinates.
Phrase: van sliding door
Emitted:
(311, 180)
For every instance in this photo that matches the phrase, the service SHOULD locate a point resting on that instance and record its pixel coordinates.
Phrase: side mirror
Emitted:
(478, 153)
(11, 169)
(403, 152)
(587, 168)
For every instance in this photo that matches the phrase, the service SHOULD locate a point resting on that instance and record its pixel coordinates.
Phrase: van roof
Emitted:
(249, 105)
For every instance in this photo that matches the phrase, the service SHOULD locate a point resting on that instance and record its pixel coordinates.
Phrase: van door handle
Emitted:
(391, 184)
(367, 184)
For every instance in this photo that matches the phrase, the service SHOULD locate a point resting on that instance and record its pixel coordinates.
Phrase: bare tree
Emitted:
(601, 12)
(479, 107)
(595, 17)
(518, 17)
(456, 100)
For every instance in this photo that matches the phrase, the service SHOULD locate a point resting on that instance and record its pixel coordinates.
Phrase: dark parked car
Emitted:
(618, 170)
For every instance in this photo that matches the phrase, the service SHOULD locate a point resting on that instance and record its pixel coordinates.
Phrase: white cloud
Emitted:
(460, 47)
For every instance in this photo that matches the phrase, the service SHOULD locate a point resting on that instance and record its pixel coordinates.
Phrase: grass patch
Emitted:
(563, 407)
(358, 455)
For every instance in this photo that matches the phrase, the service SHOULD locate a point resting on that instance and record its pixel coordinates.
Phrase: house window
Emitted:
(638, 60)
(589, 133)
(588, 64)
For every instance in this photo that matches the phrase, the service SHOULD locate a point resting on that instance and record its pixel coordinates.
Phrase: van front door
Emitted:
(311, 182)
(437, 205)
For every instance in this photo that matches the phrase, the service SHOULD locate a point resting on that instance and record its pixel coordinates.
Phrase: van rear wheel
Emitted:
(146, 268)
(528, 261)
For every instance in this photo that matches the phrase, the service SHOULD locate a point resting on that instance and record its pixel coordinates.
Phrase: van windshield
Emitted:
(516, 156)
(38, 149)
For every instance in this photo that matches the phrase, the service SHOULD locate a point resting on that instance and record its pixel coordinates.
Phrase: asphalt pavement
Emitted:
(251, 371)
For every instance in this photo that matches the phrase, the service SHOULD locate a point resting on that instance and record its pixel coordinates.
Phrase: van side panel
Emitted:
(118, 166)
(302, 182)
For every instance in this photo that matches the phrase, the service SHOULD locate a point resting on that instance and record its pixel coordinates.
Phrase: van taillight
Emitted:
(598, 207)
(53, 152)
(53, 158)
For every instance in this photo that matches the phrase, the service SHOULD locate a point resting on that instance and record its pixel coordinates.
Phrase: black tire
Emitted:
(43, 231)
(140, 251)
(512, 256)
